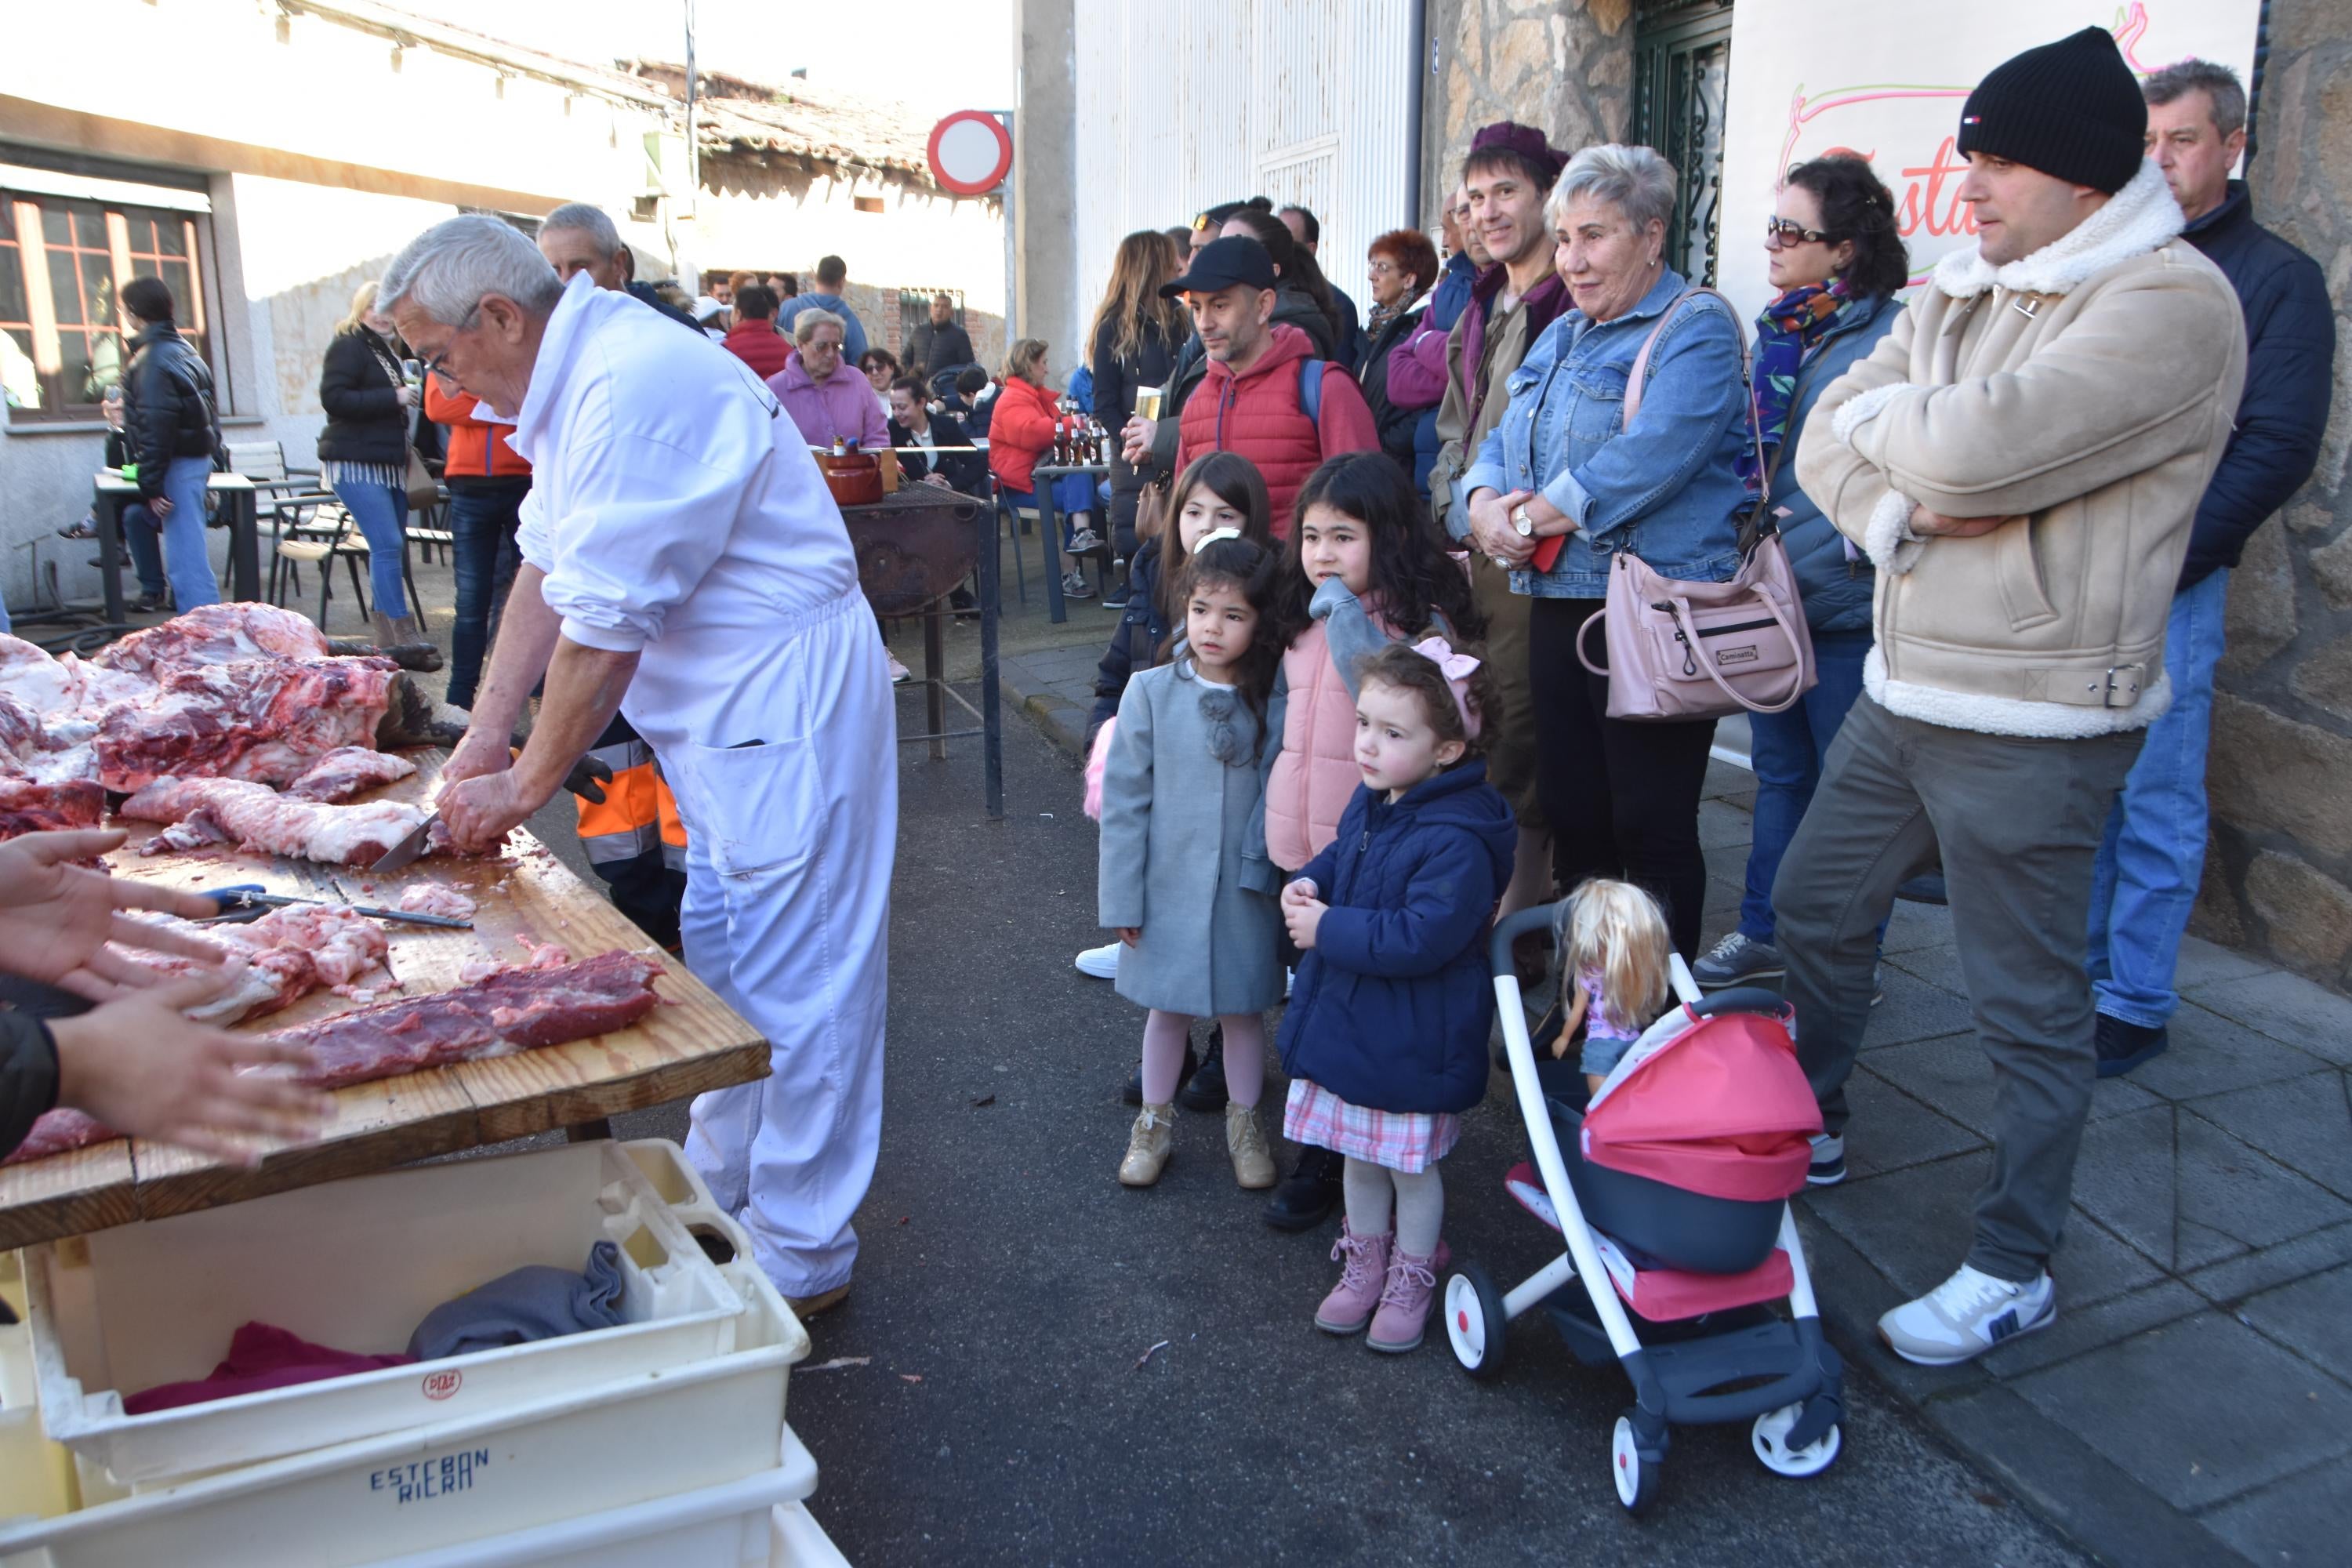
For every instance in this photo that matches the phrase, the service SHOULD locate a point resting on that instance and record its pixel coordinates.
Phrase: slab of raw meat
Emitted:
(348, 772)
(217, 634)
(30, 805)
(30, 677)
(54, 1131)
(256, 817)
(261, 719)
(429, 898)
(513, 1010)
(20, 731)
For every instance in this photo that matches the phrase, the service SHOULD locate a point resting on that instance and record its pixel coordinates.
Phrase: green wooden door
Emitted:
(1682, 80)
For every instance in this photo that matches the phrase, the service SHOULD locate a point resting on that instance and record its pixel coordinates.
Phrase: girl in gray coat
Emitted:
(1180, 791)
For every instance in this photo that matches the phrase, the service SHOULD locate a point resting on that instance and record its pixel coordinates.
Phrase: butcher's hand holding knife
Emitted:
(485, 789)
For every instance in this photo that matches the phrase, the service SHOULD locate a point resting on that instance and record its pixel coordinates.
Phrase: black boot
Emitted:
(1308, 1194)
(1207, 1090)
(1133, 1093)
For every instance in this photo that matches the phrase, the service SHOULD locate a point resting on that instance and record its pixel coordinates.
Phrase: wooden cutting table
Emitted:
(695, 1044)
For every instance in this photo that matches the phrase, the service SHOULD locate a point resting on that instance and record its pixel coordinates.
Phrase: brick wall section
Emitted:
(2278, 873)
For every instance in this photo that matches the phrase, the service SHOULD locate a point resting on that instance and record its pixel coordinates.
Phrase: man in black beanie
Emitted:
(2020, 458)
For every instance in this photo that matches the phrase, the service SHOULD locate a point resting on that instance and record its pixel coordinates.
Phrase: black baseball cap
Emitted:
(1221, 264)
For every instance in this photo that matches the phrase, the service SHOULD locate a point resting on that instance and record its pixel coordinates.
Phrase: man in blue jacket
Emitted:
(2154, 852)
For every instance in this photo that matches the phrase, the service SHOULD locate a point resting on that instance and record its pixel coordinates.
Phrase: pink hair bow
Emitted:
(1456, 668)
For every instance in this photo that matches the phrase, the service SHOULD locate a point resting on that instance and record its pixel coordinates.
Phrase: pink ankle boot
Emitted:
(1404, 1304)
(1365, 1260)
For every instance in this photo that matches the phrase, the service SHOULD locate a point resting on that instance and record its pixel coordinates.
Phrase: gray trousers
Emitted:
(2019, 823)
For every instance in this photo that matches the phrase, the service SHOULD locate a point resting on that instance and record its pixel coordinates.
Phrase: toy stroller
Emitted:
(1684, 1164)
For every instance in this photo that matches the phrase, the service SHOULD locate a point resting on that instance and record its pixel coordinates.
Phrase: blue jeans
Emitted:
(1071, 493)
(1787, 750)
(2143, 883)
(482, 522)
(185, 560)
(142, 537)
(382, 514)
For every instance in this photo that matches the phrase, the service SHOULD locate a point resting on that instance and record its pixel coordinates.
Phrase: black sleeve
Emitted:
(28, 1076)
(962, 343)
(2282, 414)
(967, 472)
(151, 418)
(1114, 390)
(352, 385)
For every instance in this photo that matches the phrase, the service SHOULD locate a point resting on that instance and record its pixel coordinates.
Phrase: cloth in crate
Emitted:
(261, 1356)
(536, 1302)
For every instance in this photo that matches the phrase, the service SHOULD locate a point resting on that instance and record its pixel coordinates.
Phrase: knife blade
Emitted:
(408, 849)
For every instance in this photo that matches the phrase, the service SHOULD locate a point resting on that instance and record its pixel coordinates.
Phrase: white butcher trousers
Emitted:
(787, 917)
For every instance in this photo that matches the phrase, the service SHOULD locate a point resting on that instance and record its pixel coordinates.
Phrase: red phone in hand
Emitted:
(1547, 552)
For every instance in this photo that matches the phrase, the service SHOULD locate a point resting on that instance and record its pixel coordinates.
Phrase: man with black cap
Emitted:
(1260, 397)
(2021, 457)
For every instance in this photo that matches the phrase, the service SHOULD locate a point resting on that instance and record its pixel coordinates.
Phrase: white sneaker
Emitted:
(1827, 1167)
(1100, 962)
(1967, 1315)
(899, 673)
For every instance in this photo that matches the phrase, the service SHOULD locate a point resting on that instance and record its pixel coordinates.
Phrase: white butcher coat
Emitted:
(677, 514)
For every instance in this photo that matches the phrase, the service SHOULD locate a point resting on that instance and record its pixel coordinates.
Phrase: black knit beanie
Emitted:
(2072, 109)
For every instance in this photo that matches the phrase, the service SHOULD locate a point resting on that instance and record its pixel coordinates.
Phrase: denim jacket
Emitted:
(1667, 489)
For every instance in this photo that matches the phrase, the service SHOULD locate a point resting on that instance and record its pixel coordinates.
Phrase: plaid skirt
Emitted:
(1407, 1141)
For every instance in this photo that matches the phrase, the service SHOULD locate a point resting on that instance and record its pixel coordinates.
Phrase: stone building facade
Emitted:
(2278, 875)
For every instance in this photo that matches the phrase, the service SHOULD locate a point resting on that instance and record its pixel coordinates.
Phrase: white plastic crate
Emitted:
(727, 1526)
(603, 1446)
(355, 1265)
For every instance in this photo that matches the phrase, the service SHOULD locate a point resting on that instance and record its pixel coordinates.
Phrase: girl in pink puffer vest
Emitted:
(1367, 567)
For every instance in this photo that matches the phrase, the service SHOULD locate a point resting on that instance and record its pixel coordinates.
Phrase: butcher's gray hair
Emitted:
(1635, 180)
(810, 318)
(2218, 82)
(446, 271)
(588, 218)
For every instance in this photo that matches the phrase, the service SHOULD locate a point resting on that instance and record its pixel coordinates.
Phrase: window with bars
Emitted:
(62, 262)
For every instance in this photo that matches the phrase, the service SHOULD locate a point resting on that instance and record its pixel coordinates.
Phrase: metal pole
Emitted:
(693, 151)
(1011, 270)
(1413, 215)
(990, 588)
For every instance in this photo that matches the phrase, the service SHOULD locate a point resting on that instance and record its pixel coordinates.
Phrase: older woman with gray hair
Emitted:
(1622, 796)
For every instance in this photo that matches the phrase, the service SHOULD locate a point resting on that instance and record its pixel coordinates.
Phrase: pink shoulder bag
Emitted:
(1691, 651)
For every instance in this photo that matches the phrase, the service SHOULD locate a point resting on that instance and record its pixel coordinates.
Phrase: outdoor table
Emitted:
(114, 493)
(1048, 530)
(914, 547)
(693, 1043)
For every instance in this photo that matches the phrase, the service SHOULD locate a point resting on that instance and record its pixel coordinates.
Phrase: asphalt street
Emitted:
(998, 1404)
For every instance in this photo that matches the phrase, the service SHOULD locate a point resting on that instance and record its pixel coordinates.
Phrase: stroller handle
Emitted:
(1498, 952)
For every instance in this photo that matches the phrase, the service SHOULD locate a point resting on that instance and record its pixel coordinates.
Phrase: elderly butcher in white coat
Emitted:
(684, 563)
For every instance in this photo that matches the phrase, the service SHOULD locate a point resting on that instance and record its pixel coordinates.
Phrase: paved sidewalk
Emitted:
(2193, 1401)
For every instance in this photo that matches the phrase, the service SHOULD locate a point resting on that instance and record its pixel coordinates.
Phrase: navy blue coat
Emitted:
(1834, 580)
(1135, 642)
(1391, 1007)
(2289, 356)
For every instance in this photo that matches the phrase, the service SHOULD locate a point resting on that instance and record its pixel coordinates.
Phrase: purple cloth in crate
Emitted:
(260, 1356)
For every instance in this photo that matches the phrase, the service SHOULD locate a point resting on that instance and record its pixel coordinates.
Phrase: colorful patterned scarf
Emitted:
(1791, 327)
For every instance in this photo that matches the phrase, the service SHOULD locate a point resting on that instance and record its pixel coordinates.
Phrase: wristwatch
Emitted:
(1522, 521)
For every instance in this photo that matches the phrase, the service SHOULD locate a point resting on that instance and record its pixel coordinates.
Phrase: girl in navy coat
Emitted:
(1385, 1039)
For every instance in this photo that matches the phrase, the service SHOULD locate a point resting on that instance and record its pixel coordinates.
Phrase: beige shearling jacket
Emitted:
(2087, 391)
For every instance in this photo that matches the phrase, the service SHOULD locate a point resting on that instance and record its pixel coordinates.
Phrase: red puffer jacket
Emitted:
(1021, 432)
(1257, 414)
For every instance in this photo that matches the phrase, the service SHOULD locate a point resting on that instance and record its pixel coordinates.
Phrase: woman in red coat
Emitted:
(1020, 435)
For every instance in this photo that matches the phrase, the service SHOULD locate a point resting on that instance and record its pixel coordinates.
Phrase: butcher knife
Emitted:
(408, 849)
(247, 901)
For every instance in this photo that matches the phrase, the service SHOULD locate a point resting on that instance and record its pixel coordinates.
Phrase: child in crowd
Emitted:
(1366, 565)
(1180, 791)
(1385, 1038)
(1613, 965)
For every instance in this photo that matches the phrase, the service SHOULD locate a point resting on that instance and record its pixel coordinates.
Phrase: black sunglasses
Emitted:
(1788, 232)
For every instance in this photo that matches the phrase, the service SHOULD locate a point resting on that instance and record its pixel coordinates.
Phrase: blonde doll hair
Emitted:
(1617, 931)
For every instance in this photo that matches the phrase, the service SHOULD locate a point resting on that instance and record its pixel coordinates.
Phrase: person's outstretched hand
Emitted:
(141, 1066)
(56, 918)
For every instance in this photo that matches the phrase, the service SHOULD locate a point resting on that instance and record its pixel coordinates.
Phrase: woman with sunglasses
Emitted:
(1836, 260)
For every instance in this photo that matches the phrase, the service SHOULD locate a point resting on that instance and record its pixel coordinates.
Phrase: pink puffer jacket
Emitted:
(1316, 775)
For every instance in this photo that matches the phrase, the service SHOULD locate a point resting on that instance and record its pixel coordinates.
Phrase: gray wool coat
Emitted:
(1181, 790)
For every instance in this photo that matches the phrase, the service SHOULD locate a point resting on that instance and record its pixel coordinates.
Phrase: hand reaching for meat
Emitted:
(139, 1066)
(56, 918)
(480, 812)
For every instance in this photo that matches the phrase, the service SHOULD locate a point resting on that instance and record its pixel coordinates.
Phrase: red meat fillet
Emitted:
(217, 634)
(29, 806)
(514, 1010)
(348, 772)
(264, 718)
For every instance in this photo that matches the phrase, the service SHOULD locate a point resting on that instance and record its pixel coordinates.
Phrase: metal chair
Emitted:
(1017, 521)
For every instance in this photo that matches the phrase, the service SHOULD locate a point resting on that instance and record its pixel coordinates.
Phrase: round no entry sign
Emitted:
(971, 152)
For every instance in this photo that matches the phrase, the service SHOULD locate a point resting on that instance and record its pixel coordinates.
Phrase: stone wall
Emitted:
(2278, 874)
(1564, 65)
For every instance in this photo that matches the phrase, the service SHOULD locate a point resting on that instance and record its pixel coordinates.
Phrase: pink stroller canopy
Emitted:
(1721, 1110)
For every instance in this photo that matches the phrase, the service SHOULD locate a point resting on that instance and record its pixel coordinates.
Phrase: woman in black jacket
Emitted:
(1402, 267)
(1135, 338)
(363, 451)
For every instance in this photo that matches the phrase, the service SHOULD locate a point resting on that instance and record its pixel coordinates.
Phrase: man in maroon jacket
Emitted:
(1266, 396)
(753, 339)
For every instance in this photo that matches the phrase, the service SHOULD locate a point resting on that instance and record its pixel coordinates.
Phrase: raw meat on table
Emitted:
(348, 772)
(217, 634)
(289, 952)
(28, 806)
(55, 1131)
(256, 817)
(265, 719)
(427, 899)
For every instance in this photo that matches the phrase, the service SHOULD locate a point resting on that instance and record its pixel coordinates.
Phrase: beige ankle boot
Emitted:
(1253, 1165)
(1148, 1146)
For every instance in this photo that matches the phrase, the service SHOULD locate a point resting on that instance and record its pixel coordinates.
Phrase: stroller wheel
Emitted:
(1636, 1478)
(1770, 1435)
(1475, 1323)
